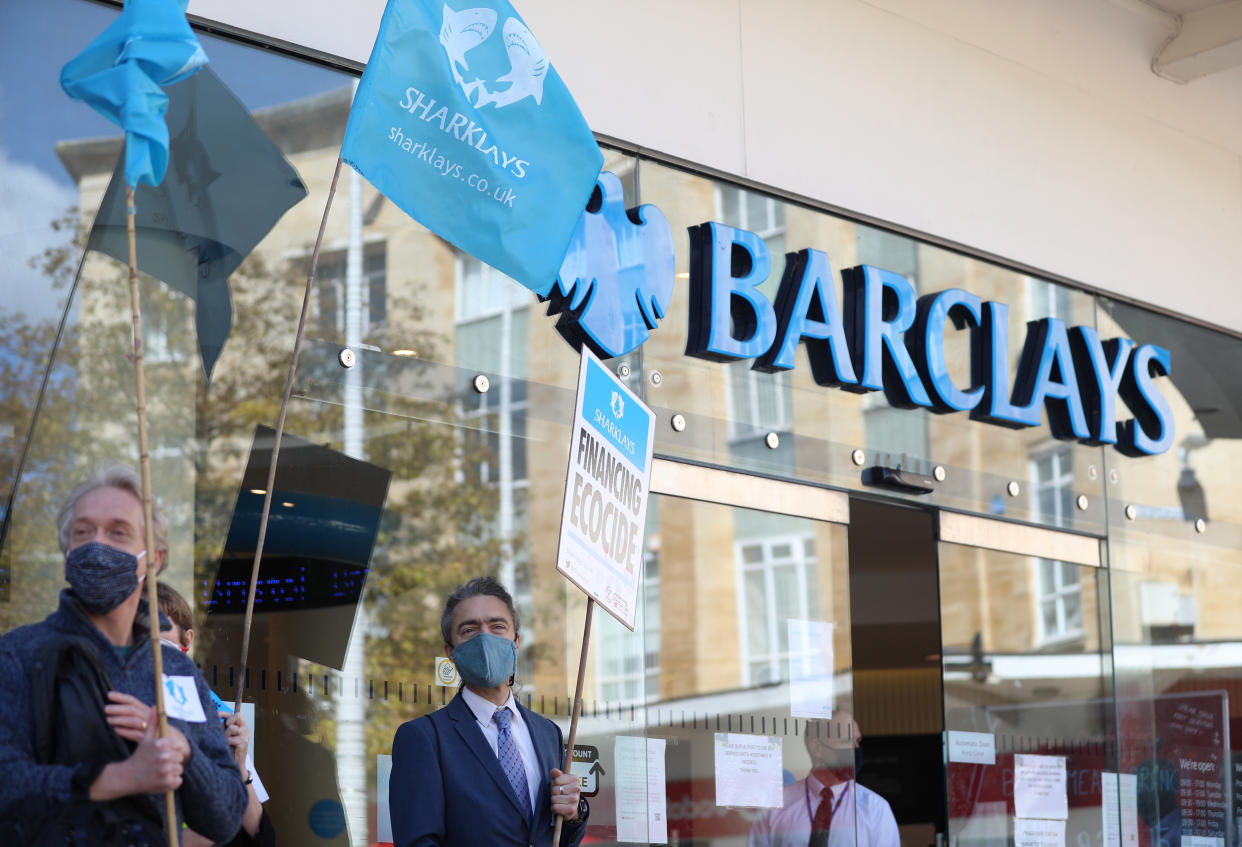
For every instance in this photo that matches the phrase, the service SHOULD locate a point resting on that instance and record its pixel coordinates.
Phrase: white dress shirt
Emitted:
(483, 710)
(862, 817)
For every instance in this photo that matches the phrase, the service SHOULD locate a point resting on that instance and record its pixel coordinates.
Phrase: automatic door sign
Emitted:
(587, 768)
(604, 515)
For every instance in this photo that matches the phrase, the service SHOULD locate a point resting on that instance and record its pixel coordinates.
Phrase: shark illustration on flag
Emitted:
(462, 121)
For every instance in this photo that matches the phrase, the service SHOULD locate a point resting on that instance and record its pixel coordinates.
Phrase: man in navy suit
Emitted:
(482, 771)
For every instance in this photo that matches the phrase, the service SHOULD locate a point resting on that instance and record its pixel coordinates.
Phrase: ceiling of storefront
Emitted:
(1207, 37)
(1181, 7)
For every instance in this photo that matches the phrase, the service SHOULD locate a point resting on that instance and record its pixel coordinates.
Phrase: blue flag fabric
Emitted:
(227, 186)
(461, 121)
(119, 75)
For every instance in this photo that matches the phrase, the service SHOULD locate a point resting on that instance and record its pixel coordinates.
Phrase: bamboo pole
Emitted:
(573, 721)
(144, 464)
(280, 431)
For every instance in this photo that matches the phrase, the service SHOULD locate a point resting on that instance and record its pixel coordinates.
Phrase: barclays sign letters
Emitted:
(617, 278)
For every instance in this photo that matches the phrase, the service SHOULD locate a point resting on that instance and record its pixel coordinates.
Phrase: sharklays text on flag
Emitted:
(461, 121)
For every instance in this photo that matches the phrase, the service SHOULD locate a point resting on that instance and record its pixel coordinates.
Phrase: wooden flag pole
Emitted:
(144, 463)
(280, 431)
(573, 721)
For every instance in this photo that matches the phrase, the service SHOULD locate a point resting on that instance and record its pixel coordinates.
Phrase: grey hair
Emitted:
(110, 476)
(481, 585)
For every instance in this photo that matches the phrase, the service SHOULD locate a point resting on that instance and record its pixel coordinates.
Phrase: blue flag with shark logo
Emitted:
(461, 121)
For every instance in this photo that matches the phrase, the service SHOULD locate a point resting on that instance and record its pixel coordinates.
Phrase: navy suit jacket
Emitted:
(448, 790)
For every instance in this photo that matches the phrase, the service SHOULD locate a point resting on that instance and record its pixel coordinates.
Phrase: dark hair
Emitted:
(174, 605)
(479, 586)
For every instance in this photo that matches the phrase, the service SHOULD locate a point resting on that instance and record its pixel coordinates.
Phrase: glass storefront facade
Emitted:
(1063, 599)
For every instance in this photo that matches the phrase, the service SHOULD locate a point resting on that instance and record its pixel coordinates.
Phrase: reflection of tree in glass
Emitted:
(438, 525)
(25, 343)
(437, 528)
(83, 410)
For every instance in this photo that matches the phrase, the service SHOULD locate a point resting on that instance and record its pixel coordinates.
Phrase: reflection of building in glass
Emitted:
(495, 332)
(1073, 637)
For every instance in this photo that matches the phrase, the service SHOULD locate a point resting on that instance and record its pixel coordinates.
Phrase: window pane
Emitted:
(1072, 604)
(1066, 514)
(757, 615)
(729, 206)
(1049, 609)
(1048, 502)
(777, 214)
(1044, 470)
(787, 605)
(1047, 577)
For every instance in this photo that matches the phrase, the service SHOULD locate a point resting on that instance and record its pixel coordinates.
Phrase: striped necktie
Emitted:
(511, 760)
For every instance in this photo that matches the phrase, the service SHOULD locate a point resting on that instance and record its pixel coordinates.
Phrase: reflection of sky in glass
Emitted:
(39, 38)
(36, 40)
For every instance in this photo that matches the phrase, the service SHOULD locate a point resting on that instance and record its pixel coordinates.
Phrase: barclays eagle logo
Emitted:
(461, 32)
(617, 278)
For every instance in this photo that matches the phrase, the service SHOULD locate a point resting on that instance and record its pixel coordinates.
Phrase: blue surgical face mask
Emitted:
(486, 660)
(101, 577)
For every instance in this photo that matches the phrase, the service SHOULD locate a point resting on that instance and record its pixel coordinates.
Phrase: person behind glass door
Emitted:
(828, 808)
(484, 769)
(1159, 804)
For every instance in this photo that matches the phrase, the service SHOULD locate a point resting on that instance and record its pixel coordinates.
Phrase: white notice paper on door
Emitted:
(810, 669)
(748, 770)
(1128, 784)
(1110, 810)
(641, 804)
(1119, 809)
(1039, 787)
(657, 809)
(1038, 833)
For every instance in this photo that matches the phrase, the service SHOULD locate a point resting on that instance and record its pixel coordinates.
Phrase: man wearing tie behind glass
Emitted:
(483, 770)
(828, 808)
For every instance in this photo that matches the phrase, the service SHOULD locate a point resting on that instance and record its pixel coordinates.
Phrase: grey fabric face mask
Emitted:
(101, 576)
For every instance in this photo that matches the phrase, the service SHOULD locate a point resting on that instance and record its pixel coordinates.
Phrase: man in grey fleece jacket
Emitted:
(103, 516)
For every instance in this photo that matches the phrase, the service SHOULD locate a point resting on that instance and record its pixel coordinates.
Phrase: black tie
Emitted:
(822, 821)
